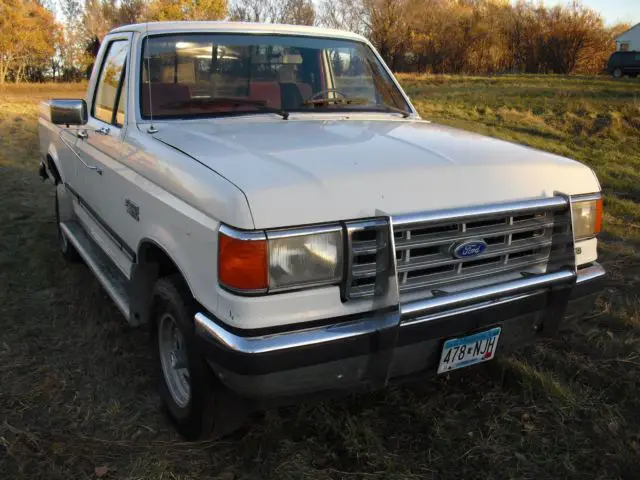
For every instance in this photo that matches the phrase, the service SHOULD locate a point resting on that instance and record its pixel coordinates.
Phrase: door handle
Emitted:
(91, 167)
(84, 134)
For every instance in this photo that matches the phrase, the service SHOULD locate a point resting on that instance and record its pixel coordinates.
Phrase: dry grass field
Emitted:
(77, 401)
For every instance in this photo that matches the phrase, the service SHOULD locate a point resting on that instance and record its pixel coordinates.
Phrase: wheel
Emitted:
(617, 73)
(69, 252)
(186, 384)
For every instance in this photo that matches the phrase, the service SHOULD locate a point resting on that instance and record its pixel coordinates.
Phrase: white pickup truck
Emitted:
(268, 200)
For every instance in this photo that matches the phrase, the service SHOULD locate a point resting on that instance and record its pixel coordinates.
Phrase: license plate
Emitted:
(465, 351)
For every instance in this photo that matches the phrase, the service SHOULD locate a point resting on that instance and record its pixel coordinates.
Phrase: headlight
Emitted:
(304, 257)
(587, 216)
(253, 262)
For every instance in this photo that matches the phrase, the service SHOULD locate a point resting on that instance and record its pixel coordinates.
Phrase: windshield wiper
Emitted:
(355, 101)
(337, 101)
(391, 108)
(231, 101)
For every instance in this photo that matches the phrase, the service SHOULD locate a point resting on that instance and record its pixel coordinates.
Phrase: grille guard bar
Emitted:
(484, 294)
(417, 312)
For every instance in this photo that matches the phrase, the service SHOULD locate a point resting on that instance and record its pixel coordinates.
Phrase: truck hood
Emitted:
(311, 171)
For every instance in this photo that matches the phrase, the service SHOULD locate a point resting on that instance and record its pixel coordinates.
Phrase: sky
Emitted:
(613, 11)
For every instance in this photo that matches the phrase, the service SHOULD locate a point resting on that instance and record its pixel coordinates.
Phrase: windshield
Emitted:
(205, 75)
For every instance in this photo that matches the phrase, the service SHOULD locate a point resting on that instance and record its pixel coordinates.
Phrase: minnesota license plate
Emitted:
(465, 351)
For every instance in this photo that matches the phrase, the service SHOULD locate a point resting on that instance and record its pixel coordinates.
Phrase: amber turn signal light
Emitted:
(242, 264)
(598, 223)
(587, 217)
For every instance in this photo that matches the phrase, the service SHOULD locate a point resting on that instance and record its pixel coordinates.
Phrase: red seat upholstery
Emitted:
(163, 93)
(268, 92)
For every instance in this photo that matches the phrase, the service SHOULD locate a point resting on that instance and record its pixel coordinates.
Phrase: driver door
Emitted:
(100, 186)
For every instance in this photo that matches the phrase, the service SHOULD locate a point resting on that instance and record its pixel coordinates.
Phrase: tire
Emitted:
(617, 73)
(68, 251)
(186, 384)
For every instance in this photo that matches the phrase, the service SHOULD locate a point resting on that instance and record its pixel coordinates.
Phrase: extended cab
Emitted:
(269, 201)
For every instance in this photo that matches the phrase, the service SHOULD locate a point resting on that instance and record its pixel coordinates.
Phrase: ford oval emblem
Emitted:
(470, 248)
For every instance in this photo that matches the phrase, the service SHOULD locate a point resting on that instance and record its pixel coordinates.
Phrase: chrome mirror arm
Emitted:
(82, 134)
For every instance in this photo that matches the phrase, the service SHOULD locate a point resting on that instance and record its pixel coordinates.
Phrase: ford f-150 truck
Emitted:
(267, 199)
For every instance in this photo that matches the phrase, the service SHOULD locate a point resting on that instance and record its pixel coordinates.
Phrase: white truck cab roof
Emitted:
(237, 27)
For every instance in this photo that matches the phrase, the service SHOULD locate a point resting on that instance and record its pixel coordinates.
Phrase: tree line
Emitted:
(59, 39)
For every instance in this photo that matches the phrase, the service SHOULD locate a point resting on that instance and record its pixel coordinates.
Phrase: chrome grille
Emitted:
(518, 240)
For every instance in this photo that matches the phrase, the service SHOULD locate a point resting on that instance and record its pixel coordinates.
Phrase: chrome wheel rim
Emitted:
(173, 357)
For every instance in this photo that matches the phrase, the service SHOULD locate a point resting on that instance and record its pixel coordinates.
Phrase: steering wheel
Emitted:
(323, 94)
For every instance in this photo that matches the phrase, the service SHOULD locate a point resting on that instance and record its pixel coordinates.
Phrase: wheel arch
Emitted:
(153, 261)
(53, 165)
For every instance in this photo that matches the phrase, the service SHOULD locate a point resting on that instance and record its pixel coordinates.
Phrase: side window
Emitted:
(109, 85)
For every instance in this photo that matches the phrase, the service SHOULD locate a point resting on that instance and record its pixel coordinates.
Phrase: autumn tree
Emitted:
(71, 49)
(388, 28)
(26, 28)
(163, 10)
(575, 32)
(477, 36)
(299, 12)
(99, 17)
(294, 12)
(562, 39)
(350, 15)
(442, 36)
(130, 11)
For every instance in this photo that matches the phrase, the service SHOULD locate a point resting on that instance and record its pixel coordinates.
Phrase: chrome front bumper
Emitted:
(372, 349)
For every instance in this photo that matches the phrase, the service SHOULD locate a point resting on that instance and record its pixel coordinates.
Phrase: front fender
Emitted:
(163, 240)
(189, 251)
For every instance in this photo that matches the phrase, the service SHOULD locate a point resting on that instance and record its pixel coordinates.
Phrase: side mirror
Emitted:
(68, 111)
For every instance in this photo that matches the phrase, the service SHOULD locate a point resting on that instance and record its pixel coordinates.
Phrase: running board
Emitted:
(107, 273)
